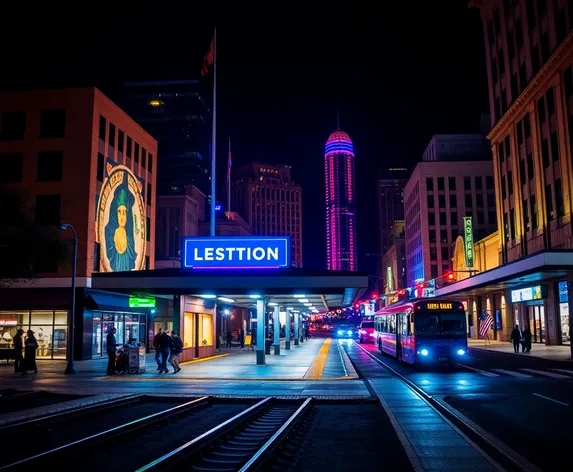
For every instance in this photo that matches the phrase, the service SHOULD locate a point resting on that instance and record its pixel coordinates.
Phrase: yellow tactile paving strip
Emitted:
(317, 367)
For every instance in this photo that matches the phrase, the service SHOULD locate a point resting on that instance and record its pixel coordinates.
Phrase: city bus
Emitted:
(422, 331)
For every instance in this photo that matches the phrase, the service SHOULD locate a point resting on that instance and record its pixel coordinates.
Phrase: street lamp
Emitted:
(70, 368)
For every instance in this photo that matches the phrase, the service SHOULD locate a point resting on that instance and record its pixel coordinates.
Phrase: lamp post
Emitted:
(70, 367)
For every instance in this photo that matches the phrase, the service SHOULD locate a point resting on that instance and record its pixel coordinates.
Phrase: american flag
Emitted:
(485, 325)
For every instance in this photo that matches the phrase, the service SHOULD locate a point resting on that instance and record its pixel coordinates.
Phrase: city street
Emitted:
(525, 403)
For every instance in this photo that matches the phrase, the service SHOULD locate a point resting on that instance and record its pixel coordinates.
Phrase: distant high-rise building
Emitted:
(457, 147)
(267, 198)
(175, 113)
(390, 192)
(340, 206)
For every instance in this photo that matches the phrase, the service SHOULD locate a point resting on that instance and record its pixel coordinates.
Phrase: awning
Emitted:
(536, 268)
(109, 301)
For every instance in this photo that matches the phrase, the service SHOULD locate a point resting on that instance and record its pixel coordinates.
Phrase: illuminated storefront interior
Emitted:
(50, 330)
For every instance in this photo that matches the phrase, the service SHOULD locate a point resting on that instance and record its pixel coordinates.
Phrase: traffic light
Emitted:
(449, 277)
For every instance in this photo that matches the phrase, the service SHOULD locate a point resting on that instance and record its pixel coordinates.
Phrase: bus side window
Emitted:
(392, 324)
(411, 323)
(404, 324)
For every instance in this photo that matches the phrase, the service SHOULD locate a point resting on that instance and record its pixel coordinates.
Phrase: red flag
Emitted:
(209, 58)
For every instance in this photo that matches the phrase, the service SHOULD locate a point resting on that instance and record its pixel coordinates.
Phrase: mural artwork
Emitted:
(121, 221)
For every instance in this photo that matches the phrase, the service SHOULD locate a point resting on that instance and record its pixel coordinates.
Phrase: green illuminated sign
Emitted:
(468, 241)
(390, 279)
(135, 302)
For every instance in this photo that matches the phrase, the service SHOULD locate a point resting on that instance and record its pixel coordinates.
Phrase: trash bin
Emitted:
(136, 359)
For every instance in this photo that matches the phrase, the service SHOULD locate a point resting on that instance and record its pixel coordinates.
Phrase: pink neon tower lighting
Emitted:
(340, 216)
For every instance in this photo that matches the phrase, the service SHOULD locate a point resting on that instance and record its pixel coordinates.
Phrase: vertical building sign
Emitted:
(390, 280)
(468, 241)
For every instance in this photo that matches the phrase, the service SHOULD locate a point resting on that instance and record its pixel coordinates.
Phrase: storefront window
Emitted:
(128, 326)
(206, 329)
(188, 329)
(131, 327)
(10, 322)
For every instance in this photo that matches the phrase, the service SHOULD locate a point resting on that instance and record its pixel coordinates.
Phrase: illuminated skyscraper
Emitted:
(340, 216)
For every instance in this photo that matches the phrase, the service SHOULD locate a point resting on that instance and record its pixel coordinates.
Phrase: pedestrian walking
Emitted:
(18, 348)
(229, 339)
(516, 338)
(526, 339)
(30, 348)
(156, 347)
(176, 350)
(164, 344)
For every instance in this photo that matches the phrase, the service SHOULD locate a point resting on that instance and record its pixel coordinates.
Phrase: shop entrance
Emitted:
(128, 326)
(536, 319)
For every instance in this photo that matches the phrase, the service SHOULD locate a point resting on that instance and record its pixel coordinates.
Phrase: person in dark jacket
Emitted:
(111, 349)
(516, 338)
(176, 350)
(526, 339)
(156, 347)
(30, 348)
(164, 344)
(18, 347)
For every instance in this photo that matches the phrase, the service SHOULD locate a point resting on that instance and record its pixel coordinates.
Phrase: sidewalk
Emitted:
(538, 351)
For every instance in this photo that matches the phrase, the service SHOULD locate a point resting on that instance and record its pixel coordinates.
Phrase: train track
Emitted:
(242, 443)
(14, 401)
(507, 459)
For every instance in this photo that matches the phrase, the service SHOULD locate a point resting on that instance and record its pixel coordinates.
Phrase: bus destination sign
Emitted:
(439, 306)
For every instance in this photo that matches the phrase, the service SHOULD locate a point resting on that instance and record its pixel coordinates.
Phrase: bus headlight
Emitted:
(424, 352)
(461, 352)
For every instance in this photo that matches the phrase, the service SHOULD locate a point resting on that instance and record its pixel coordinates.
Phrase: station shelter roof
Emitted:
(535, 268)
(322, 290)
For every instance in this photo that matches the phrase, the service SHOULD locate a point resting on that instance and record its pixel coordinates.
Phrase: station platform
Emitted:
(318, 366)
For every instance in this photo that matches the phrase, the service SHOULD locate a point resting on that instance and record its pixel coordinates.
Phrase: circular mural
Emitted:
(121, 221)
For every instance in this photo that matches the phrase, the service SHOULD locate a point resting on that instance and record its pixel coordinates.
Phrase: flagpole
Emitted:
(229, 182)
(214, 136)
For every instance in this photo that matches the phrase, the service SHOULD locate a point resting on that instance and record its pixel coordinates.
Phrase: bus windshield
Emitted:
(440, 324)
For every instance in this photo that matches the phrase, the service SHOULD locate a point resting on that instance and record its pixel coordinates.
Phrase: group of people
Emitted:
(29, 345)
(521, 338)
(167, 349)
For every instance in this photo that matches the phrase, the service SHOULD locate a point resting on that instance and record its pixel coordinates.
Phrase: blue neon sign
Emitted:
(236, 252)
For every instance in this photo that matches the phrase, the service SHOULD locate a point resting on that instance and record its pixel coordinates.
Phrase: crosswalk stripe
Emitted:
(513, 374)
(553, 375)
(565, 371)
(479, 371)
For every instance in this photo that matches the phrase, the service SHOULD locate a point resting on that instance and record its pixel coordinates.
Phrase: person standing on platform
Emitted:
(111, 351)
(176, 350)
(229, 339)
(526, 339)
(242, 338)
(18, 347)
(164, 344)
(30, 348)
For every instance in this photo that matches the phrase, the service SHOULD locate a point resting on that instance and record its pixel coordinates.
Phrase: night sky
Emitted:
(411, 73)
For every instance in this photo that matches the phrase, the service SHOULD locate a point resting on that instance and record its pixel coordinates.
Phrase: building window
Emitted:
(429, 183)
(136, 153)
(527, 126)
(147, 228)
(550, 97)
(549, 203)
(441, 201)
(445, 254)
(120, 140)
(10, 211)
(506, 228)
(454, 218)
(149, 194)
(128, 147)
(522, 176)
(431, 218)
(526, 221)
(143, 157)
(554, 147)
(100, 167)
(441, 183)
(433, 271)
(453, 201)
(469, 202)
(489, 182)
(510, 183)
(102, 126)
(533, 212)
(12, 125)
(467, 183)
(559, 198)
(205, 329)
(452, 183)
(443, 235)
(541, 110)
(12, 167)
(443, 221)
(111, 134)
(150, 162)
(47, 211)
(52, 123)
(545, 153)
(530, 166)
(512, 222)
(50, 166)
(430, 199)
(478, 183)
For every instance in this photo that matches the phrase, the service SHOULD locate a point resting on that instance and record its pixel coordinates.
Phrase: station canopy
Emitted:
(303, 290)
